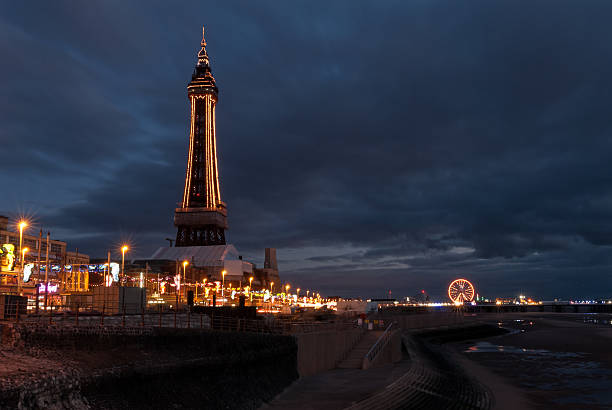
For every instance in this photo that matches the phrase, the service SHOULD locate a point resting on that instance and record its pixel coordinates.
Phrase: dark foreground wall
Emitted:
(164, 369)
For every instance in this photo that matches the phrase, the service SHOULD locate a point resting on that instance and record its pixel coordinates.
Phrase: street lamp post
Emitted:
(271, 285)
(185, 263)
(223, 273)
(251, 288)
(23, 252)
(204, 290)
(287, 290)
(124, 249)
(22, 226)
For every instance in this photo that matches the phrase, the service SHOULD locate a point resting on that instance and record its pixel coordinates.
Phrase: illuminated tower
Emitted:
(202, 218)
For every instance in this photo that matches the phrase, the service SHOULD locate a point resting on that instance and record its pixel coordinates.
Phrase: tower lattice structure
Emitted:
(202, 218)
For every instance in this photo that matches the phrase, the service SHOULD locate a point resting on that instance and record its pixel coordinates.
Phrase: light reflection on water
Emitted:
(575, 379)
(596, 320)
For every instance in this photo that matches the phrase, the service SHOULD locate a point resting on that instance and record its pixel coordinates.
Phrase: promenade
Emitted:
(424, 379)
(338, 388)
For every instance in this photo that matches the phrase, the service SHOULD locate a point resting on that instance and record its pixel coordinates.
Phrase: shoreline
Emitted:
(545, 361)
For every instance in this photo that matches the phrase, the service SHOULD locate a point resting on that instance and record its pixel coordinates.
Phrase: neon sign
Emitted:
(50, 288)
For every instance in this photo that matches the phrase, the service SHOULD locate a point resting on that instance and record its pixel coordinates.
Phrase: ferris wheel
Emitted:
(461, 290)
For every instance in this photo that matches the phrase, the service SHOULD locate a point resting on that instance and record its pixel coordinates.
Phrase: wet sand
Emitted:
(549, 360)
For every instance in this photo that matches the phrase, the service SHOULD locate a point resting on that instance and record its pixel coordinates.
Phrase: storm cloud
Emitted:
(379, 147)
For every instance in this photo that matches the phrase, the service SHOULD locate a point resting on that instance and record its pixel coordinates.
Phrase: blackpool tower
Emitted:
(201, 219)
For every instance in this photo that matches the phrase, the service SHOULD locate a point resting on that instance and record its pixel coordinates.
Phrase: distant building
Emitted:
(68, 267)
(344, 306)
(57, 249)
(76, 258)
(269, 273)
(375, 304)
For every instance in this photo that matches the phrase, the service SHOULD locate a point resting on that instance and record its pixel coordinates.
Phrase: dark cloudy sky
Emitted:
(378, 145)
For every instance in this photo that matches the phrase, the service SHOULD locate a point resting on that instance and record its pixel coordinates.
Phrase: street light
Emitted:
(23, 252)
(22, 226)
(251, 288)
(185, 263)
(223, 273)
(271, 284)
(124, 249)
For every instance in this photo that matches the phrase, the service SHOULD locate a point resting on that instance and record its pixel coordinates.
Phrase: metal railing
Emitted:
(378, 347)
(137, 315)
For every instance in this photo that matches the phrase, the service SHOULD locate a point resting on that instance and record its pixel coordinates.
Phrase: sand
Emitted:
(561, 361)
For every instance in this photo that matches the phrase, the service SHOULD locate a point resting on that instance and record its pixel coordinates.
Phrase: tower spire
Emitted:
(202, 217)
(203, 55)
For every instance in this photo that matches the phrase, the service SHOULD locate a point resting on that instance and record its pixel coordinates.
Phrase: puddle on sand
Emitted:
(595, 320)
(486, 347)
(575, 380)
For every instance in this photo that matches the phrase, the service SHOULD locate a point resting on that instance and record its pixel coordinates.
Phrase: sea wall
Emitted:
(322, 351)
(157, 368)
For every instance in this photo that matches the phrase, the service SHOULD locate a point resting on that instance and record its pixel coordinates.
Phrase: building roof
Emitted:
(199, 255)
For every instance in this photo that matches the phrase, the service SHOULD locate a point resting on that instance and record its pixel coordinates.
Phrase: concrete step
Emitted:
(354, 359)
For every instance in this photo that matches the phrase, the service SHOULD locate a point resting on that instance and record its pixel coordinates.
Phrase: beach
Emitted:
(546, 360)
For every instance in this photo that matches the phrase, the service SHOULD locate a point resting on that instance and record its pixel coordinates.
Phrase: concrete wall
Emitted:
(115, 299)
(392, 352)
(322, 351)
(426, 320)
(351, 306)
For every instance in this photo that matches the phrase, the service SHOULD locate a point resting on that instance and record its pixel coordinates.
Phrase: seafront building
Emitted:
(57, 249)
(67, 268)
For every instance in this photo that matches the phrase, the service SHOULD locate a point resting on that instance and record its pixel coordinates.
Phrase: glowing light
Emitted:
(27, 271)
(7, 257)
(115, 271)
(461, 290)
(49, 288)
